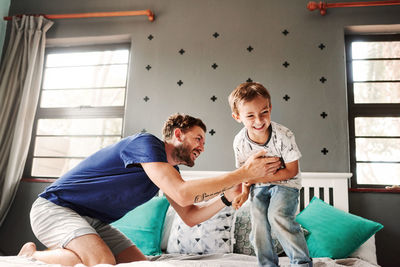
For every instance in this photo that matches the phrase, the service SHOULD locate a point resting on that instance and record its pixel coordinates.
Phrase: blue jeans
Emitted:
(273, 208)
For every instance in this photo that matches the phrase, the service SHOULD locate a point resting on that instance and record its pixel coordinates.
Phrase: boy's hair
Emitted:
(246, 92)
(181, 121)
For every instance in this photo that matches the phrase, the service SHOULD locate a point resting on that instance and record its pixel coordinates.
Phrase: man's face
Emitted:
(191, 146)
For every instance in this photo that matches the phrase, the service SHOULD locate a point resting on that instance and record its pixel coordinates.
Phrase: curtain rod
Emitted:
(146, 12)
(323, 6)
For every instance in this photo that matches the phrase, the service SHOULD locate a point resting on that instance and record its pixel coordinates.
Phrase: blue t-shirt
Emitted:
(111, 182)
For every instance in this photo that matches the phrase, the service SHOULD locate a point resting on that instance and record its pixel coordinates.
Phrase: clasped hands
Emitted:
(261, 165)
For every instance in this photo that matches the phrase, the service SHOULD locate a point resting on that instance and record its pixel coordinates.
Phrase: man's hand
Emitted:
(258, 165)
(290, 171)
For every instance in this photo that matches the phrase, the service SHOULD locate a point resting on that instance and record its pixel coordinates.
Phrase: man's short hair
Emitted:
(181, 121)
(246, 92)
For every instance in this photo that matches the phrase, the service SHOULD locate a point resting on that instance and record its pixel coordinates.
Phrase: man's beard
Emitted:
(182, 154)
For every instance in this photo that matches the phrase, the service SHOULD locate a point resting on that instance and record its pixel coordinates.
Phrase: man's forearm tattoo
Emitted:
(205, 196)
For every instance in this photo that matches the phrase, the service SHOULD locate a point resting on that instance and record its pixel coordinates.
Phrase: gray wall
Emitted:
(190, 25)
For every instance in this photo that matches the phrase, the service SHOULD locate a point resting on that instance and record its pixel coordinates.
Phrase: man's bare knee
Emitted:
(72, 261)
(102, 259)
(91, 250)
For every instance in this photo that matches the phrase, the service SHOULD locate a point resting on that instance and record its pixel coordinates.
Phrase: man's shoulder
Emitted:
(141, 141)
(143, 147)
(143, 137)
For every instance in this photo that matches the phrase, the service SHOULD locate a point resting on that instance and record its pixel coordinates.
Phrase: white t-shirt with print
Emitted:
(281, 143)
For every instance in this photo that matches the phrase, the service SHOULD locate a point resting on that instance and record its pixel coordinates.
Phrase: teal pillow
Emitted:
(144, 225)
(334, 233)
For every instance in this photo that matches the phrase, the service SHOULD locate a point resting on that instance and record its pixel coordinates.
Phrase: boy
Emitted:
(274, 198)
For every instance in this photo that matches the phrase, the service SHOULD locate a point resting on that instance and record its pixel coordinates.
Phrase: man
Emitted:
(72, 216)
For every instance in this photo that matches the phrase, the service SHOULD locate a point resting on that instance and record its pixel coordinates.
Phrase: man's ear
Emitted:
(236, 117)
(178, 134)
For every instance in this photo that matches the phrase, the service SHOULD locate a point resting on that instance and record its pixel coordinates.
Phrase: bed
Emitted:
(222, 242)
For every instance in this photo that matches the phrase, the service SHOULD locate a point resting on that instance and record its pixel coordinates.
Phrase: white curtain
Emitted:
(21, 74)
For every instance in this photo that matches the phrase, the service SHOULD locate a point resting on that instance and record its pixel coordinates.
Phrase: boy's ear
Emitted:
(236, 117)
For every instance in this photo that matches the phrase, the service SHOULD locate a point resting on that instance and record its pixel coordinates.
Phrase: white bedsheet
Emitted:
(172, 260)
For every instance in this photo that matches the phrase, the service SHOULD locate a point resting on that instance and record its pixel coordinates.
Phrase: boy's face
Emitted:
(256, 117)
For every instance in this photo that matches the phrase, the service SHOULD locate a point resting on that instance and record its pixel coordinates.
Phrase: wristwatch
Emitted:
(225, 200)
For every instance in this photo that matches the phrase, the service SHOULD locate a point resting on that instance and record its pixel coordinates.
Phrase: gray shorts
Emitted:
(55, 226)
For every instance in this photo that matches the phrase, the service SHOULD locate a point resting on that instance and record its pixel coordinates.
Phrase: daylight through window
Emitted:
(81, 107)
(373, 75)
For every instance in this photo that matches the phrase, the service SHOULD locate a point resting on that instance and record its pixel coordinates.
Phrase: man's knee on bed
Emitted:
(91, 250)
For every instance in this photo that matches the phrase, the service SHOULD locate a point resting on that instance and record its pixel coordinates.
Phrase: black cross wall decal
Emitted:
(286, 64)
(286, 97)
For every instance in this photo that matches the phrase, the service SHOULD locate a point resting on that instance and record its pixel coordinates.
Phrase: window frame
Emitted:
(365, 110)
(75, 112)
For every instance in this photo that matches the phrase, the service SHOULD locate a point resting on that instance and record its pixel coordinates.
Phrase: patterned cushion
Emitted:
(242, 232)
(211, 236)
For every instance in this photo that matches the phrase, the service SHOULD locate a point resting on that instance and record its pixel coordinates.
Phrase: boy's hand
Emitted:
(233, 192)
(239, 200)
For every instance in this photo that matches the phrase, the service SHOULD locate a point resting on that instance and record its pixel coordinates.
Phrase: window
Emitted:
(81, 107)
(373, 83)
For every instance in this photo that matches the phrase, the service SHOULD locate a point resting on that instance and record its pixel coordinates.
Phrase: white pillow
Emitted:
(212, 236)
(169, 219)
(366, 251)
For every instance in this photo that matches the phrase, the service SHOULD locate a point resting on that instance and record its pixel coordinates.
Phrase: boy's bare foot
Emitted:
(27, 250)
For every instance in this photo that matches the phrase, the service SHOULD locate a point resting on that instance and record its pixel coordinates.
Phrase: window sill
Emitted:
(38, 180)
(376, 190)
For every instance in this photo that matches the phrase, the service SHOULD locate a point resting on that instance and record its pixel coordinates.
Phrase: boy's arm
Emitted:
(291, 170)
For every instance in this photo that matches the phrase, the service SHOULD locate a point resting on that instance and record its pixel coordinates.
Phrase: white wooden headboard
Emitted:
(328, 186)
